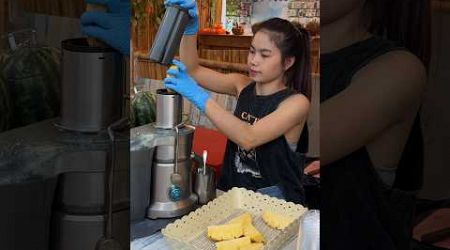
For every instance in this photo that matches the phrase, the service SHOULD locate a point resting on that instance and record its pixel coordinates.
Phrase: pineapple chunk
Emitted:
(275, 220)
(253, 246)
(249, 230)
(225, 232)
(253, 233)
(172, 67)
(235, 244)
(244, 219)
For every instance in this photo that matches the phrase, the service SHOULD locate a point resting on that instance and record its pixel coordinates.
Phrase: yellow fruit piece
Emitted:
(235, 244)
(172, 67)
(249, 230)
(253, 246)
(225, 232)
(253, 233)
(244, 219)
(275, 220)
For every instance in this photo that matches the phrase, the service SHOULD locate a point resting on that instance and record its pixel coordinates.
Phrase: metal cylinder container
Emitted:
(81, 186)
(169, 109)
(166, 154)
(140, 182)
(169, 35)
(80, 231)
(205, 186)
(92, 86)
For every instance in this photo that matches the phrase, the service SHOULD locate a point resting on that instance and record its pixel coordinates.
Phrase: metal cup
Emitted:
(92, 86)
(205, 185)
(169, 109)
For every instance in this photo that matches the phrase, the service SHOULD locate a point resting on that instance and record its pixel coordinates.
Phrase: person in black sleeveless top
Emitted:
(271, 110)
(371, 143)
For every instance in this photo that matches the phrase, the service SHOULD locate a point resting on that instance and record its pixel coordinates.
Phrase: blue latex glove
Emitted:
(112, 27)
(191, 7)
(183, 84)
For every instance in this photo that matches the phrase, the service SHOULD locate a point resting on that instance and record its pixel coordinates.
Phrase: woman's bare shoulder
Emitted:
(397, 66)
(297, 102)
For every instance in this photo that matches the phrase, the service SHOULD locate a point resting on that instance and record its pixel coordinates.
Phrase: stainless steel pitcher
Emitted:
(169, 35)
(92, 86)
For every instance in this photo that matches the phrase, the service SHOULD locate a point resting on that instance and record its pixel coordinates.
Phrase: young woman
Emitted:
(272, 107)
(372, 80)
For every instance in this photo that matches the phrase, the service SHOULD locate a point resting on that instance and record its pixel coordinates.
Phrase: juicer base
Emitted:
(172, 209)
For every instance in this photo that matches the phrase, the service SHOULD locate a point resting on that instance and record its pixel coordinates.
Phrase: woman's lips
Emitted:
(253, 72)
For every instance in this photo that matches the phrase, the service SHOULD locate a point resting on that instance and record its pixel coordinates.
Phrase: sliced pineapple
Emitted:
(253, 246)
(253, 233)
(225, 232)
(244, 219)
(235, 244)
(172, 67)
(275, 220)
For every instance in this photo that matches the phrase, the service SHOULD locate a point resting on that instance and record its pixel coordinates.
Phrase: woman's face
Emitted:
(264, 59)
(331, 10)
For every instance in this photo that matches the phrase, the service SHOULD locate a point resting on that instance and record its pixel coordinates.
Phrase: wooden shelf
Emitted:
(224, 41)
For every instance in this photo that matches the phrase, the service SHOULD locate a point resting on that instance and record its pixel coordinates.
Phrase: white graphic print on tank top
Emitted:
(246, 161)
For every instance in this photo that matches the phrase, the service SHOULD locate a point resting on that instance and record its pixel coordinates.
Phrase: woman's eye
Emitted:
(264, 55)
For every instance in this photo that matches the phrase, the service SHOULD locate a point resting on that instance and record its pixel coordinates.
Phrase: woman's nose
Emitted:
(253, 60)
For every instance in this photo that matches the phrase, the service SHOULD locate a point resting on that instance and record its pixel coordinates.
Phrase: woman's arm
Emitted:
(230, 84)
(380, 95)
(291, 112)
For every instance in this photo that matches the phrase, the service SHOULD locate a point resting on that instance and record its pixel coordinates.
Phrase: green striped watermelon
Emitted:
(33, 78)
(143, 109)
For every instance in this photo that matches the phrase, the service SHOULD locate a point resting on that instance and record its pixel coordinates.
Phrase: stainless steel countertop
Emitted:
(34, 151)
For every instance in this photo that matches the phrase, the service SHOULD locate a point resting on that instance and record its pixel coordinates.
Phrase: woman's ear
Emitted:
(288, 62)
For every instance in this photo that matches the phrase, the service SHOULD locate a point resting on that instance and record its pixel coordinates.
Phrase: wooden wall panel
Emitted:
(71, 8)
(3, 16)
(205, 12)
(441, 5)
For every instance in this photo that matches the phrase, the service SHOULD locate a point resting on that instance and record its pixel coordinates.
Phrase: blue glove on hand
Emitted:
(186, 86)
(112, 27)
(191, 7)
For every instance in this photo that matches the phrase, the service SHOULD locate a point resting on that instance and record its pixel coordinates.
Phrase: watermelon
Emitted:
(143, 109)
(32, 75)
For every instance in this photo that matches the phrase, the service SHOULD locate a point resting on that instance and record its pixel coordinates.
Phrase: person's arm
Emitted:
(290, 113)
(230, 84)
(382, 94)
(215, 81)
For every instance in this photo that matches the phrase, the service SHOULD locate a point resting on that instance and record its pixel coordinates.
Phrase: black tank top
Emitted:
(273, 163)
(358, 210)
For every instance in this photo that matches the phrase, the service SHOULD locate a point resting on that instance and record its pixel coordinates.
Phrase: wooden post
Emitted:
(3, 16)
(218, 11)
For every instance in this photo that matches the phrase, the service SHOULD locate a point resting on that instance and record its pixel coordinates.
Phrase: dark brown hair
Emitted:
(293, 41)
(406, 22)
